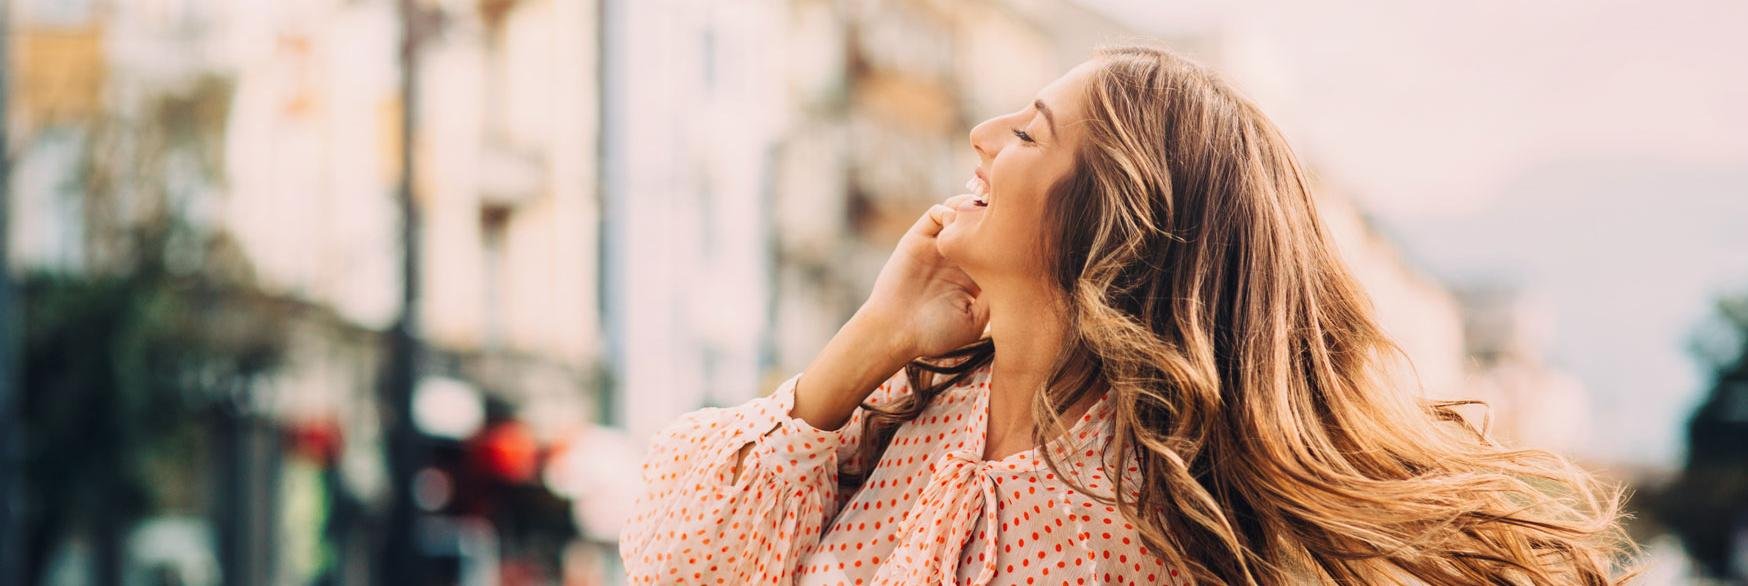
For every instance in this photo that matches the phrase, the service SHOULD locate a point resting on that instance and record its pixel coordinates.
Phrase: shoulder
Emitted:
(959, 400)
(891, 391)
(898, 386)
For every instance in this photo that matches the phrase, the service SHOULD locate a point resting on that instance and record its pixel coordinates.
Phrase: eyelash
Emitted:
(1023, 136)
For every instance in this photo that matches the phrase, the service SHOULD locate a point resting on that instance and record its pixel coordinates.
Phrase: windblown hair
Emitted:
(1249, 374)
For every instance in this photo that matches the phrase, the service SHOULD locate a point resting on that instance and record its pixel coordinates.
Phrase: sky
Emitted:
(1593, 153)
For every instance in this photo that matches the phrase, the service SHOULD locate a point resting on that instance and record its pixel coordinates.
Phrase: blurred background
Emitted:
(394, 291)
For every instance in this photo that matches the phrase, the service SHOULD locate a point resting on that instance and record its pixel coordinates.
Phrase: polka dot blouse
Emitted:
(932, 512)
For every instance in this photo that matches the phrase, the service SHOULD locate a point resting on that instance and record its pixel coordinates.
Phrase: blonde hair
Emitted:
(1247, 370)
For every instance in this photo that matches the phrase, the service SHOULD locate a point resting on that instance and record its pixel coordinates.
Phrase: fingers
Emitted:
(932, 221)
(939, 214)
(953, 202)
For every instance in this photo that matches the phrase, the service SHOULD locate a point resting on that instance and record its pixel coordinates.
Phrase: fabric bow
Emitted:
(939, 525)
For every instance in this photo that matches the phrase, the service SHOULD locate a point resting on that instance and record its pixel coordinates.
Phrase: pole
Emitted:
(400, 560)
(608, 185)
(11, 465)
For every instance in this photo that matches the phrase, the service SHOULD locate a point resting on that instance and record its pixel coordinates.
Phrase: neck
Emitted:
(1029, 328)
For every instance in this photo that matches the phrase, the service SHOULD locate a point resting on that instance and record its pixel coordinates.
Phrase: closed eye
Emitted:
(1023, 136)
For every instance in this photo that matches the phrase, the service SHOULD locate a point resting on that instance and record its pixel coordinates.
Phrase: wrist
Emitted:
(882, 335)
(865, 351)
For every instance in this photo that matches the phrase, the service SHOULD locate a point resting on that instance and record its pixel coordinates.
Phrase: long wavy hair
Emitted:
(1249, 374)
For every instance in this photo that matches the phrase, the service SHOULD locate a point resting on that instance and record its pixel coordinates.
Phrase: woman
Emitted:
(1130, 355)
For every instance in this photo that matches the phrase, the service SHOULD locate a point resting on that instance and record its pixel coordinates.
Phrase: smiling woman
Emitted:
(1178, 382)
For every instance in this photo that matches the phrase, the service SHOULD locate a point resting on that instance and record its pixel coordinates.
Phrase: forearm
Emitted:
(852, 365)
(863, 354)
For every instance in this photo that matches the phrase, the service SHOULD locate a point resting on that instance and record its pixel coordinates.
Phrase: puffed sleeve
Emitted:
(695, 522)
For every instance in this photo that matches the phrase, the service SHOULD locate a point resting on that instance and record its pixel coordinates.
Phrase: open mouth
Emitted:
(978, 188)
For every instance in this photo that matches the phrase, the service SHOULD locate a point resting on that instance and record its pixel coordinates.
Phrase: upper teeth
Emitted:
(977, 186)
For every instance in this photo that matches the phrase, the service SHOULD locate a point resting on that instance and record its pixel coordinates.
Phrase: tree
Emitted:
(128, 360)
(1707, 506)
(120, 372)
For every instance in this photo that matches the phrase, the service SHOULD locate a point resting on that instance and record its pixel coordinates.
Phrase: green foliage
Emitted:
(128, 364)
(122, 374)
(1707, 506)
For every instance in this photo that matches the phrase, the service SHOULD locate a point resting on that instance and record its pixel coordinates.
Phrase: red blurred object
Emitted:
(508, 451)
(317, 439)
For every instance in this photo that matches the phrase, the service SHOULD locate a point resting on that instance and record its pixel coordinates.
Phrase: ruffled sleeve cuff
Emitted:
(696, 519)
(787, 446)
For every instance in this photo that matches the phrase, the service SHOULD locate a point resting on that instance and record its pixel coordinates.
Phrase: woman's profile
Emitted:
(1130, 355)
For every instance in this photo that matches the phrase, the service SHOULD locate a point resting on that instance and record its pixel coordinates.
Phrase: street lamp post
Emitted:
(10, 452)
(399, 563)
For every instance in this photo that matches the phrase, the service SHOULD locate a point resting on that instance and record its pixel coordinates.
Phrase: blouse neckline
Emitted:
(1082, 433)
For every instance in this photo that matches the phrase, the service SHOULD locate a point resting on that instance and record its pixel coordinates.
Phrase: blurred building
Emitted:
(1418, 311)
(1534, 402)
(692, 107)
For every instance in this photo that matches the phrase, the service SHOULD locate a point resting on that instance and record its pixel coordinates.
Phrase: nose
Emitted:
(984, 141)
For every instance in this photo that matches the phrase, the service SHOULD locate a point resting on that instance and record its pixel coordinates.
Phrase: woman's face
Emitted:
(1021, 154)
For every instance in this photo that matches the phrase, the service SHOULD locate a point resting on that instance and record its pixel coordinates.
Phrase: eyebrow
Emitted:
(1048, 117)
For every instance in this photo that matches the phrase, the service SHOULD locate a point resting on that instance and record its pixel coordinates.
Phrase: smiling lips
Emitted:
(977, 186)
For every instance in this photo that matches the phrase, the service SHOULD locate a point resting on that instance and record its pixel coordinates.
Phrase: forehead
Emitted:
(1065, 94)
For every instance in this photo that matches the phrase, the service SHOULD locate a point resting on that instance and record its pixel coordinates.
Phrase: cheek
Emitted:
(1015, 225)
(1021, 175)
(1003, 237)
